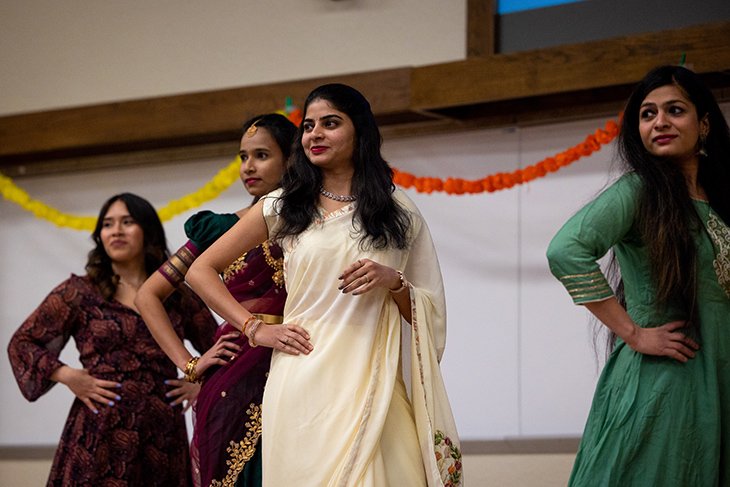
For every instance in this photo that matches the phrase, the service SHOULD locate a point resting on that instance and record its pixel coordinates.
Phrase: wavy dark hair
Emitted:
(279, 127)
(666, 217)
(99, 264)
(379, 220)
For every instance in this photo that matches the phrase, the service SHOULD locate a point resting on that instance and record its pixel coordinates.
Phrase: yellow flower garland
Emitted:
(209, 191)
(228, 175)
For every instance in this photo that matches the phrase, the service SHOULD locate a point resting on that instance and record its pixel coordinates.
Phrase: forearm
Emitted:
(204, 274)
(206, 283)
(149, 301)
(614, 317)
(62, 374)
(158, 322)
(403, 301)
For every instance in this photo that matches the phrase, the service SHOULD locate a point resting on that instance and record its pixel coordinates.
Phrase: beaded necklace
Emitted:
(337, 197)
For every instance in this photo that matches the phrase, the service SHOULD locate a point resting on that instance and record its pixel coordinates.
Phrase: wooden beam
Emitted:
(551, 84)
(570, 68)
(480, 31)
(188, 119)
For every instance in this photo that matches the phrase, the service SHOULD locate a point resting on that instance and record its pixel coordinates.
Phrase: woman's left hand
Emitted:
(221, 353)
(364, 274)
(183, 391)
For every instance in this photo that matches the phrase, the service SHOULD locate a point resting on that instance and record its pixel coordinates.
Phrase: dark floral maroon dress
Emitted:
(141, 440)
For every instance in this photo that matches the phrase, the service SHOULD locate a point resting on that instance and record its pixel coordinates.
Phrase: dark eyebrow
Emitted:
(109, 218)
(326, 117)
(255, 149)
(668, 102)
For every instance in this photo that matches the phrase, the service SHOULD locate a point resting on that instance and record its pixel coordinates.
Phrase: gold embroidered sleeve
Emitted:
(586, 288)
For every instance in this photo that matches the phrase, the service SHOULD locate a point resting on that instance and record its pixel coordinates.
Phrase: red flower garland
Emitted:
(506, 180)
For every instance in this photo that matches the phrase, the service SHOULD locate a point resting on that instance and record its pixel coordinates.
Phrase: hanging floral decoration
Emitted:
(506, 180)
(230, 174)
(17, 195)
(209, 191)
(291, 112)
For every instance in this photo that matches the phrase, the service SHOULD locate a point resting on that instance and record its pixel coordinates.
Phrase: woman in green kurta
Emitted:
(661, 411)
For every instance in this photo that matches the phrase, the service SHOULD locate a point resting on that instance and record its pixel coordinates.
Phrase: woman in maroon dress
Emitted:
(120, 431)
(225, 447)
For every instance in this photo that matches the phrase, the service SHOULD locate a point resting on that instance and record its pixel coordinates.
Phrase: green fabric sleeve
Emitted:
(588, 235)
(204, 227)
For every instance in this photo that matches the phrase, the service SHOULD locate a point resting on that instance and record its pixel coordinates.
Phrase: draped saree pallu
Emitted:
(344, 415)
(227, 419)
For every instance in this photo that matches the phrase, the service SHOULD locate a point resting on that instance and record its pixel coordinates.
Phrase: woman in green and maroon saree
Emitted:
(227, 422)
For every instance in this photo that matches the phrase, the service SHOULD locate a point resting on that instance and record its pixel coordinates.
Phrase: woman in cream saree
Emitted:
(359, 263)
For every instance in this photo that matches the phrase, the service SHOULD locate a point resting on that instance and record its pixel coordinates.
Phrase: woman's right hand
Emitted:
(221, 353)
(88, 388)
(291, 339)
(664, 340)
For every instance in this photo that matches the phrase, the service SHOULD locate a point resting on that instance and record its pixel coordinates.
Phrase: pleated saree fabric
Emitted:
(344, 415)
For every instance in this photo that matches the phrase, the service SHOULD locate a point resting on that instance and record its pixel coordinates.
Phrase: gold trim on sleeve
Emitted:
(594, 274)
(590, 286)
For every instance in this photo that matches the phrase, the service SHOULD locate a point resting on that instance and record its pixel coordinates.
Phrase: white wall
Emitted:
(75, 52)
(518, 361)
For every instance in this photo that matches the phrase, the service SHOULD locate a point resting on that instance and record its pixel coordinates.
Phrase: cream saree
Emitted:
(343, 415)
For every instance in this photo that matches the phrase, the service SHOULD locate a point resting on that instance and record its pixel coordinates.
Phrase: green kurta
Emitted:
(654, 420)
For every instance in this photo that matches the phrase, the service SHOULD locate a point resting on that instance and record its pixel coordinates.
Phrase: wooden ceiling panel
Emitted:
(572, 81)
(570, 68)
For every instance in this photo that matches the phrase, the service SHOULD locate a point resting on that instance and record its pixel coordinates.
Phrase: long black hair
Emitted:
(379, 219)
(279, 127)
(666, 217)
(99, 264)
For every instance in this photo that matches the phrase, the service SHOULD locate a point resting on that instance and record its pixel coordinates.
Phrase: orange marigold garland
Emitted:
(228, 175)
(504, 180)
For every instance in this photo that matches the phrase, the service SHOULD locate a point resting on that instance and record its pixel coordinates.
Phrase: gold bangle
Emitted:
(246, 323)
(403, 283)
(252, 333)
(190, 374)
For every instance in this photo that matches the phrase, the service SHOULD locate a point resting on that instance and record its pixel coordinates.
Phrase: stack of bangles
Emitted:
(190, 374)
(250, 326)
(403, 284)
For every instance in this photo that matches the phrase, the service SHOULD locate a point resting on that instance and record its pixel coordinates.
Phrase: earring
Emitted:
(702, 152)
